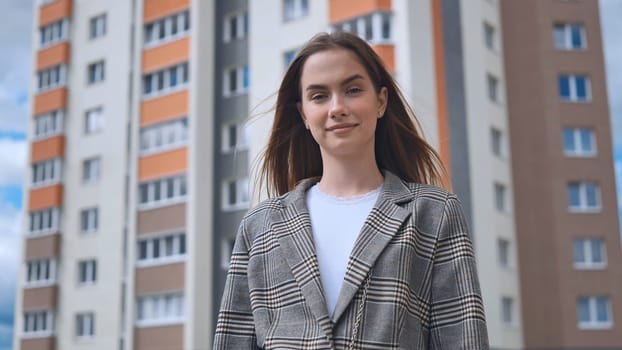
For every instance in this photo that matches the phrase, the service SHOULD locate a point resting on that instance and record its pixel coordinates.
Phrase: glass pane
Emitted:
(591, 194)
(173, 25)
(168, 246)
(233, 27)
(602, 314)
(173, 75)
(156, 248)
(232, 199)
(232, 136)
(569, 144)
(142, 250)
(182, 244)
(182, 186)
(161, 29)
(583, 310)
(144, 193)
(156, 191)
(564, 87)
(581, 83)
(369, 33)
(573, 195)
(147, 84)
(386, 26)
(586, 140)
(575, 32)
(233, 80)
(597, 251)
(246, 77)
(579, 253)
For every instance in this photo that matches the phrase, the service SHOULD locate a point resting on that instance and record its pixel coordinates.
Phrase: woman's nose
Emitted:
(338, 107)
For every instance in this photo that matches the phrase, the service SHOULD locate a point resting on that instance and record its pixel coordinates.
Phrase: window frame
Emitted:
(53, 166)
(89, 220)
(587, 246)
(159, 187)
(179, 249)
(241, 201)
(582, 191)
(52, 122)
(96, 72)
(593, 323)
(27, 321)
(566, 31)
(578, 150)
(164, 26)
(98, 26)
(155, 309)
(85, 322)
(158, 83)
(163, 131)
(91, 170)
(572, 88)
(58, 72)
(38, 216)
(57, 32)
(36, 267)
(88, 268)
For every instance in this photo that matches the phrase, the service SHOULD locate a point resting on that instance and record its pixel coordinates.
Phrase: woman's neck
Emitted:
(347, 178)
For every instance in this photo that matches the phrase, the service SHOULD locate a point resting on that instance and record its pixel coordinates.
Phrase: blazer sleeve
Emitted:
(235, 328)
(457, 313)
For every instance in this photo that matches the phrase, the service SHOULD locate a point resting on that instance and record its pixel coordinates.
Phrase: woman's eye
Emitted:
(317, 97)
(353, 90)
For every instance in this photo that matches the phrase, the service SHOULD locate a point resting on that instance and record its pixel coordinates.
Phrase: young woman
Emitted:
(359, 250)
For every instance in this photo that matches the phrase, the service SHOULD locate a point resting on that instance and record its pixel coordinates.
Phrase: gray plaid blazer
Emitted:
(411, 278)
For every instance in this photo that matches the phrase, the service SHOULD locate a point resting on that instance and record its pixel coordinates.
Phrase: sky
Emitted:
(15, 67)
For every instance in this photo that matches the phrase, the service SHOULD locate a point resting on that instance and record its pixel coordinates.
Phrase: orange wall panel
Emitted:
(39, 298)
(154, 9)
(48, 148)
(53, 55)
(54, 11)
(387, 53)
(166, 55)
(164, 108)
(46, 197)
(50, 100)
(341, 10)
(163, 164)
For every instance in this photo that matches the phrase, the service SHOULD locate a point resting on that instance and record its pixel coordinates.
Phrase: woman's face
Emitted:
(339, 104)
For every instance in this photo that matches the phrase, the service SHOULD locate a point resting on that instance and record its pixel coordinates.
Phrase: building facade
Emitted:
(566, 207)
(148, 122)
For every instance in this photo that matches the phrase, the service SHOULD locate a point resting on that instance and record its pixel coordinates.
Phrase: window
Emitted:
(96, 72)
(579, 142)
(160, 309)
(574, 88)
(583, 197)
(40, 272)
(163, 191)
(507, 311)
(43, 2)
(236, 26)
(594, 312)
(288, 57)
(235, 194)
(87, 271)
(93, 120)
(294, 9)
(43, 221)
(85, 325)
(503, 248)
(167, 28)
(54, 32)
(226, 248)
(97, 26)
(500, 197)
(375, 27)
(89, 220)
(162, 249)
(46, 172)
(234, 137)
(48, 124)
(165, 80)
(569, 36)
(589, 253)
(496, 142)
(50, 78)
(38, 323)
(489, 35)
(236, 80)
(90, 170)
(164, 136)
(493, 88)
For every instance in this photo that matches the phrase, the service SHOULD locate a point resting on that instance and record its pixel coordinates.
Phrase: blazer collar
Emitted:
(295, 237)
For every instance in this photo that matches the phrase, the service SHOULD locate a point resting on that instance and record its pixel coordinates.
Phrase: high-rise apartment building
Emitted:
(566, 208)
(148, 121)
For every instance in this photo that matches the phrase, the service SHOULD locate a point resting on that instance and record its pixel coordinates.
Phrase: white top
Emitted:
(336, 223)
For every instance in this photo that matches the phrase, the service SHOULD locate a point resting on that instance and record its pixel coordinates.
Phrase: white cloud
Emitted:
(10, 253)
(13, 161)
(610, 11)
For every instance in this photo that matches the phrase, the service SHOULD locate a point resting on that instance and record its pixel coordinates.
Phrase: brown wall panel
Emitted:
(48, 343)
(42, 247)
(387, 53)
(54, 11)
(163, 164)
(53, 55)
(43, 298)
(171, 106)
(154, 9)
(46, 197)
(162, 278)
(160, 338)
(50, 100)
(340, 10)
(166, 55)
(49, 148)
(167, 218)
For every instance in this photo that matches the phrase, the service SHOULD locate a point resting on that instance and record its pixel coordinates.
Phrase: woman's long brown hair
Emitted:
(293, 155)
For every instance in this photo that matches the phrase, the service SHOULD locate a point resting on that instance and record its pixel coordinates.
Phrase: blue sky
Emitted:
(15, 66)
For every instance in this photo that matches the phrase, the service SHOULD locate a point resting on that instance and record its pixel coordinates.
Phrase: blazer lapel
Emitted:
(296, 239)
(383, 222)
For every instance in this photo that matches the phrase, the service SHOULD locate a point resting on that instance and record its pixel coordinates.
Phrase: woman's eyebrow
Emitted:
(346, 81)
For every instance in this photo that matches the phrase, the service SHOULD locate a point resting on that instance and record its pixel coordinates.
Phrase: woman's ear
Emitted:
(304, 120)
(383, 97)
